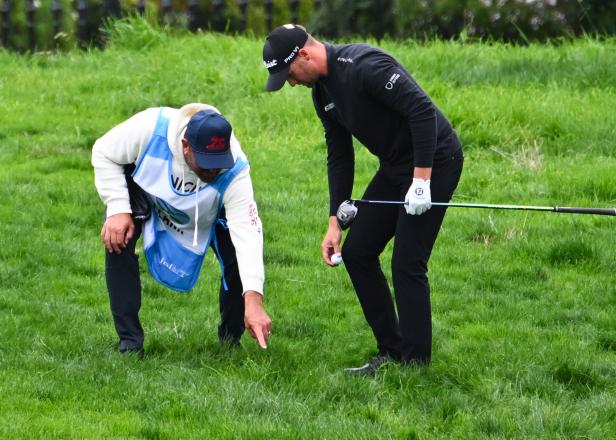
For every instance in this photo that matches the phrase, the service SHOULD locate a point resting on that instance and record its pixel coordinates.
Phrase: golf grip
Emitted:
(597, 211)
(560, 209)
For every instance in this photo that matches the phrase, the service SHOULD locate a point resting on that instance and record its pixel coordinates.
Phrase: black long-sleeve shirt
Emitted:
(370, 95)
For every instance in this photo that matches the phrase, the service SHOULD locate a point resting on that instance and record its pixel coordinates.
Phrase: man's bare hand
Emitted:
(117, 231)
(258, 324)
(331, 241)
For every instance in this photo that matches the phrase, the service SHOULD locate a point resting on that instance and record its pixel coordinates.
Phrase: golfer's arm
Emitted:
(422, 173)
(405, 98)
(340, 164)
(333, 223)
(340, 156)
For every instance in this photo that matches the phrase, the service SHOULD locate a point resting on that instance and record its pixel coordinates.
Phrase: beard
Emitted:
(208, 176)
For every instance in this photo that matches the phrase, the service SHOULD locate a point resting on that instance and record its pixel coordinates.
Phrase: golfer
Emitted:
(180, 178)
(360, 91)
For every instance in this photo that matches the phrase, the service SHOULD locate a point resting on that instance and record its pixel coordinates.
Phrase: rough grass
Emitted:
(524, 304)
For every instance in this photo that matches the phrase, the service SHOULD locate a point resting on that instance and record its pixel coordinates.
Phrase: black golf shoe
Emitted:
(373, 365)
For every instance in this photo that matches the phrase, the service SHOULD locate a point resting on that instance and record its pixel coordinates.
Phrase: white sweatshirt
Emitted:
(126, 143)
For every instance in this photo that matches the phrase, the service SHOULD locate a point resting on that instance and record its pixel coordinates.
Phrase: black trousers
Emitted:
(407, 335)
(124, 286)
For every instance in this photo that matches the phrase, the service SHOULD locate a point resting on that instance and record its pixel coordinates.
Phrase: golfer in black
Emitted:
(361, 91)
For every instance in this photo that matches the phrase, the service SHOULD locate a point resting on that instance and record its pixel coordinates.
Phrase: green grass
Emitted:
(524, 304)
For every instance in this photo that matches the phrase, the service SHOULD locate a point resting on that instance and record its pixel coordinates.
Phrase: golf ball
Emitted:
(336, 259)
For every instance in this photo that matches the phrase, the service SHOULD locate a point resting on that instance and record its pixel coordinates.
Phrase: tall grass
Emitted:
(524, 305)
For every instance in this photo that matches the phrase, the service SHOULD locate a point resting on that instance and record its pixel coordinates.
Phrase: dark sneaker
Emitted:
(135, 351)
(230, 342)
(371, 367)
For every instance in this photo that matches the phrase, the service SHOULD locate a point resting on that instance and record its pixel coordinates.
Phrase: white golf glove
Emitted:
(418, 199)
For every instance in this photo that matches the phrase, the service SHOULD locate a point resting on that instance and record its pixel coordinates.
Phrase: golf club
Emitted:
(348, 209)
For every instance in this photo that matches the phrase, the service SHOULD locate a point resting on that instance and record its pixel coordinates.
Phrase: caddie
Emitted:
(180, 178)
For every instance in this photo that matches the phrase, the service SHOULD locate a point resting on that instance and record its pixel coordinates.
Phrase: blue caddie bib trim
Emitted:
(172, 264)
(223, 223)
(155, 147)
(221, 183)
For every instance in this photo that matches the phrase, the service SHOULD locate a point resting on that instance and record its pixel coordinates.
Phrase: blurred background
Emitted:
(40, 25)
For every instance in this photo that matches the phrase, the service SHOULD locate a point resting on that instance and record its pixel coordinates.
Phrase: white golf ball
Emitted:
(336, 259)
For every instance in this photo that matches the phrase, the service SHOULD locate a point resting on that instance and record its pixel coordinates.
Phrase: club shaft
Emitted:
(561, 209)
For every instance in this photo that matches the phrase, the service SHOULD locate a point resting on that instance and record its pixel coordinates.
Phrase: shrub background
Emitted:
(518, 21)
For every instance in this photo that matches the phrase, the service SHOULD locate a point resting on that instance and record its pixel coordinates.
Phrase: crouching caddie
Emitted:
(180, 178)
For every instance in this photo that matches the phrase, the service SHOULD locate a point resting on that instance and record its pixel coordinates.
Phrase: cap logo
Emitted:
(270, 64)
(216, 143)
(292, 55)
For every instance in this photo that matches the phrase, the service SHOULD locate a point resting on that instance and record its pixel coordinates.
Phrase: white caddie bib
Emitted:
(167, 235)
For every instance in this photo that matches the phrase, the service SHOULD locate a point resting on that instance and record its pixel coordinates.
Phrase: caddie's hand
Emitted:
(331, 241)
(256, 321)
(117, 231)
(418, 199)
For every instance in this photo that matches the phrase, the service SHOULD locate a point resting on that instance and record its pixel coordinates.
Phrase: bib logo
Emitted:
(175, 215)
(173, 268)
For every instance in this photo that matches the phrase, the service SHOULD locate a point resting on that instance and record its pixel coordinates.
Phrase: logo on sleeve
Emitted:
(329, 106)
(392, 81)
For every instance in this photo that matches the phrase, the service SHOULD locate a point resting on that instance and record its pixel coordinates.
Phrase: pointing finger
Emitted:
(260, 338)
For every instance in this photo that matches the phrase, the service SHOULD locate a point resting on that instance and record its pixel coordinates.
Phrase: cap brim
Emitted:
(209, 161)
(277, 80)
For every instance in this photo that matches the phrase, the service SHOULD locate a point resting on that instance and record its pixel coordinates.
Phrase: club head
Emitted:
(347, 211)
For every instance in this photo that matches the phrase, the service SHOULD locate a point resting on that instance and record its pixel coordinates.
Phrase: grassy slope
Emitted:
(524, 305)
